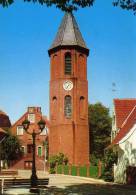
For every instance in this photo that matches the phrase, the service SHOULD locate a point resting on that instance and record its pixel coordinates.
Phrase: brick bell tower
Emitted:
(69, 131)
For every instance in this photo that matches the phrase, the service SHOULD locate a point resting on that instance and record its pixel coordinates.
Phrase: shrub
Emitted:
(93, 160)
(55, 160)
(109, 159)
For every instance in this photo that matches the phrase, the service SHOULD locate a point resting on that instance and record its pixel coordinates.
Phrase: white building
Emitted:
(124, 140)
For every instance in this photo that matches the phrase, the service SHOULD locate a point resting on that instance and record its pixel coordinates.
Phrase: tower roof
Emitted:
(68, 34)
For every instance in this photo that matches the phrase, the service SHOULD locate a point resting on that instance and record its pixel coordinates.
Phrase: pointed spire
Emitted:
(68, 34)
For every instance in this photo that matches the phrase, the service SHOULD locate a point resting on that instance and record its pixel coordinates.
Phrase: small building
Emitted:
(34, 115)
(124, 140)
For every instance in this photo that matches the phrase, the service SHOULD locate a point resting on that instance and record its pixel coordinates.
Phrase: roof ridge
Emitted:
(63, 30)
(122, 99)
(19, 119)
(73, 27)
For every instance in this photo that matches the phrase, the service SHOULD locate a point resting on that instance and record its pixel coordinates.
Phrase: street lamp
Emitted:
(41, 125)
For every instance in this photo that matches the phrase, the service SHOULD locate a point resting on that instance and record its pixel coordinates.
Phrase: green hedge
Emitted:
(83, 171)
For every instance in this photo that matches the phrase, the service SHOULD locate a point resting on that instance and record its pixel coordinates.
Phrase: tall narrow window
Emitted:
(68, 65)
(54, 107)
(82, 107)
(67, 106)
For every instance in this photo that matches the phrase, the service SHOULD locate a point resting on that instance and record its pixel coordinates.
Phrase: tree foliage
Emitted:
(126, 4)
(70, 5)
(11, 148)
(110, 158)
(100, 129)
(55, 160)
(64, 5)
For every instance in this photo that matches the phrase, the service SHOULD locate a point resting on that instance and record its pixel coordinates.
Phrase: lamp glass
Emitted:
(41, 124)
(26, 124)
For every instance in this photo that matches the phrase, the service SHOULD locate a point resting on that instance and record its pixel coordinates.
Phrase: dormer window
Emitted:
(68, 65)
(31, 118)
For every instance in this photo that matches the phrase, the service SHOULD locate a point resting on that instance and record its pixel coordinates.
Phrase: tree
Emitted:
(69, 5)
(11, 148)
(100, 129)
(110, 158)
(64, 5)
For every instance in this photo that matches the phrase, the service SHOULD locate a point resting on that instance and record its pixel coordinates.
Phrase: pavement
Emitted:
(74, 185)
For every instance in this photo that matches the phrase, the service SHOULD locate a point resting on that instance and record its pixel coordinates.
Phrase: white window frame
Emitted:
(31, 117)
(22, 132)
(41, 150)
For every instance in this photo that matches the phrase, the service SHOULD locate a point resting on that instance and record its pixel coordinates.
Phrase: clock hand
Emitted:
(67, 86)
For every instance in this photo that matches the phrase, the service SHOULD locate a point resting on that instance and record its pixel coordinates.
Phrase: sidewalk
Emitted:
(74, 185)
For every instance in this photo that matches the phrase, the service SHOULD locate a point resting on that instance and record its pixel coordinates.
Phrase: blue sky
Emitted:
(26, 33)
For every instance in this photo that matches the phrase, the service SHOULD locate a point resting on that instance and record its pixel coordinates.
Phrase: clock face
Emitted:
(68, 85)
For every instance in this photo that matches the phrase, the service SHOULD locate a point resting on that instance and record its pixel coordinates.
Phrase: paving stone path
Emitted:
(70, 185)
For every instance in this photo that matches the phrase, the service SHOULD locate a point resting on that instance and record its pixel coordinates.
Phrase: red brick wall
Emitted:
(73, 140)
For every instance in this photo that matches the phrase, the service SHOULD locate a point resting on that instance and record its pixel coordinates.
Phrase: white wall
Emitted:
(127, 155)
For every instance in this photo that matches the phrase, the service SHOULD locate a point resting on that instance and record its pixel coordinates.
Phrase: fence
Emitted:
(83, 171)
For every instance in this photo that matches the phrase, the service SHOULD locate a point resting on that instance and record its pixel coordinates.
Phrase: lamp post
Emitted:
(41, 125)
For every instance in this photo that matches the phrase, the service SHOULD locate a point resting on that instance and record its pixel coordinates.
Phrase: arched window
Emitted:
(68, 65)
(67, 106)
(54, 106)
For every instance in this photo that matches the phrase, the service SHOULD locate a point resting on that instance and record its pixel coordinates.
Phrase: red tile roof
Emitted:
(123, 107)
(125, 112)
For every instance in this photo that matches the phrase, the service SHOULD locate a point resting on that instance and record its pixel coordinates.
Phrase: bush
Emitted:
(55, 160)
(109, 159)
(60, 158)
(52, 170)
(93, 160)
